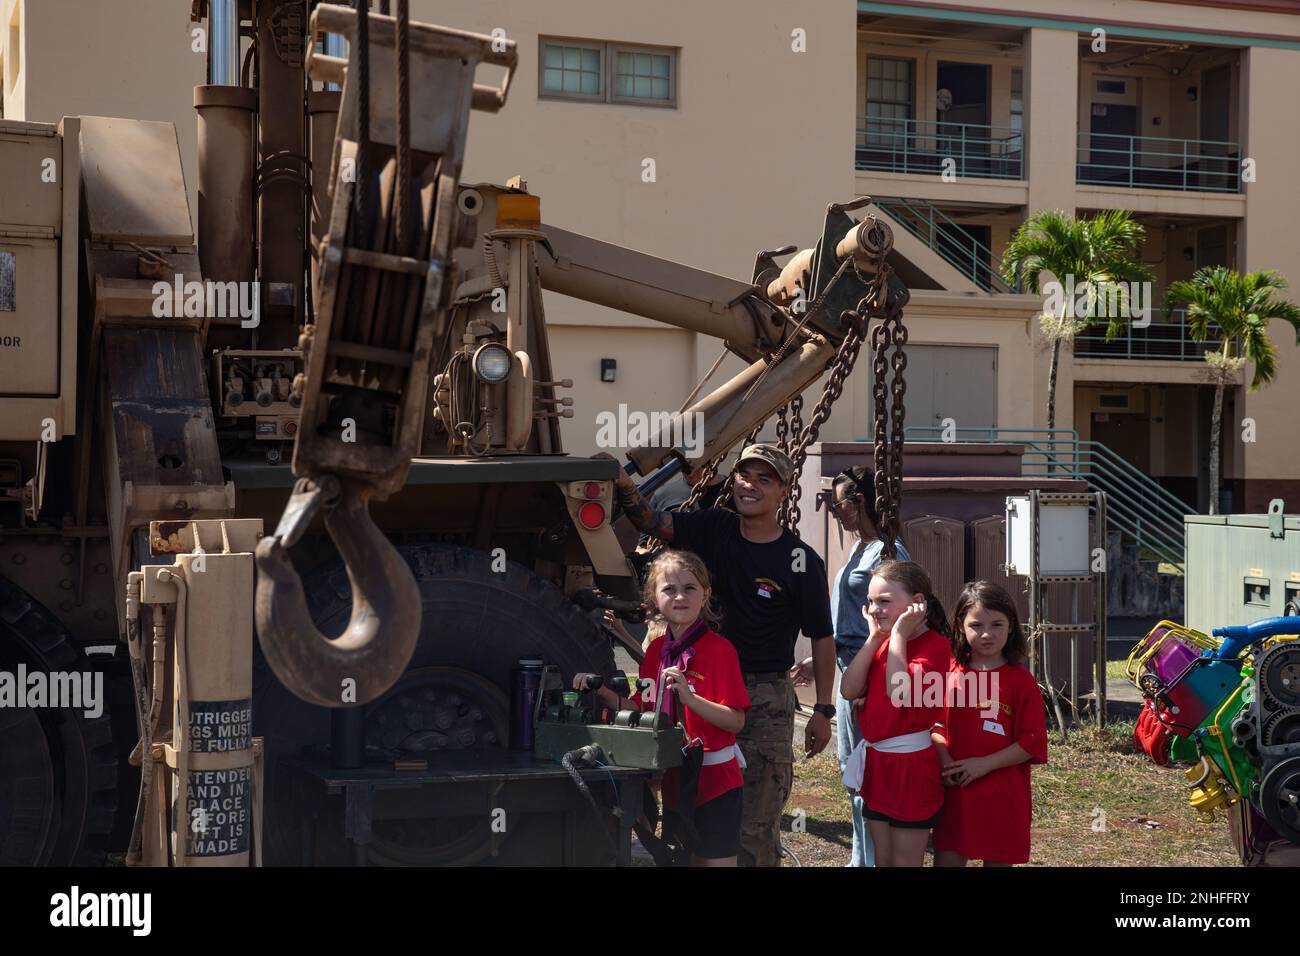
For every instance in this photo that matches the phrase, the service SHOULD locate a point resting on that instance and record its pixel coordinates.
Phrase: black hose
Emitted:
(588, 755)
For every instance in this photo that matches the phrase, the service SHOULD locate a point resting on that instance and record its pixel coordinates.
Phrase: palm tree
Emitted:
(1100, 252)
(1234, 310)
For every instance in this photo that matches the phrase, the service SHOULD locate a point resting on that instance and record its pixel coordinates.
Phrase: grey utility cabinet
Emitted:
(1241, 568)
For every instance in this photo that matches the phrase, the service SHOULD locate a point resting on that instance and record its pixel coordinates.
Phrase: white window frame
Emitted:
(609, 51)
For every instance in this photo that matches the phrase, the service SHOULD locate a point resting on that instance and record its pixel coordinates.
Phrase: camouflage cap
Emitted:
(770, 455)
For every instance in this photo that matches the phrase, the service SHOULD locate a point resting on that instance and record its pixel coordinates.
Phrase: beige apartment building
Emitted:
(704, 132)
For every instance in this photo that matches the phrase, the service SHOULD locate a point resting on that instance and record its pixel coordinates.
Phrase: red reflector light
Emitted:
(591, 489)
(592, 514)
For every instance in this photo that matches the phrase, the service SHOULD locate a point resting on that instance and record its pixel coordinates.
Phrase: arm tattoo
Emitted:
(645, 518)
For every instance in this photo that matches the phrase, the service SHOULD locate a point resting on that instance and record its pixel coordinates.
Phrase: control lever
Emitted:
(617, 684)
(591, 599)
(765, 267)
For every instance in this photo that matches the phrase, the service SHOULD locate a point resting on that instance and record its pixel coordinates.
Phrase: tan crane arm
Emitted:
(663, 290)
(751, 324)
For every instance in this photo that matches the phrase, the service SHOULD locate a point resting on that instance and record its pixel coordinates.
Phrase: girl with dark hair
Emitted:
(996, 727)
(900, 670)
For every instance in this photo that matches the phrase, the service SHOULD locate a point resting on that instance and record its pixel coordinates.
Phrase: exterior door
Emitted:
(951, 381)
(1215, 162)
(1112, 149)
(1127, 435)
(963, 125)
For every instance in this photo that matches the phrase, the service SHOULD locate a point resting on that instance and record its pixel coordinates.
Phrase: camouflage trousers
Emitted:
(766, 742)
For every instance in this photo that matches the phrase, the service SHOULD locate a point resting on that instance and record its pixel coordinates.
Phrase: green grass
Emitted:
(1096, 803)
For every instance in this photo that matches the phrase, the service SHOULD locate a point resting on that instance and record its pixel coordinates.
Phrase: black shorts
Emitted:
(718, 824)
(870, 814)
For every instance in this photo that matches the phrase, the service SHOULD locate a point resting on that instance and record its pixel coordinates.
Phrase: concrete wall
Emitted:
(1268, 241)
(760, 140)
(111, 59)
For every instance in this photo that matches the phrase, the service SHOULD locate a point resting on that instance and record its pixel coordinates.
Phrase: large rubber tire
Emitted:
(58, 768)
(475, 619)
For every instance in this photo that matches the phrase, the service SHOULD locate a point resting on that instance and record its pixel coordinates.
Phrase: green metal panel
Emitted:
(624, 746)
(1239, 570)
(1013, 19)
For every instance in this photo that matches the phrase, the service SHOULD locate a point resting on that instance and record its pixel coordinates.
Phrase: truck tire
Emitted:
(58, 768)
(479, 618)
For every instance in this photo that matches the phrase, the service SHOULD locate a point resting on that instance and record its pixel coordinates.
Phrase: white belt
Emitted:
(726, 755)
(856, 765)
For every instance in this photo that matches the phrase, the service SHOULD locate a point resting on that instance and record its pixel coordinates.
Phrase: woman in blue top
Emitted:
(853, 502)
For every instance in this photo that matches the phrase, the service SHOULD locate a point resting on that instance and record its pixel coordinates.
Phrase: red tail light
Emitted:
(592, 489)
(592, 515)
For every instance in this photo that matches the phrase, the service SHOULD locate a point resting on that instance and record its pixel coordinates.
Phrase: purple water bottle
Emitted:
(525, 685)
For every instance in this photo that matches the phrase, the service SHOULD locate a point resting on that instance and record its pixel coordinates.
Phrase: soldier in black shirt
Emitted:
(770, 585)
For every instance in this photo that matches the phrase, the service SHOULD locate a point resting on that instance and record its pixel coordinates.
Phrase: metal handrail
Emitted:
(1148, 342)
(1146, 524)
(1123, 163)
(1145, 511)
(927, 222)
(1069, 437)
(978, 150)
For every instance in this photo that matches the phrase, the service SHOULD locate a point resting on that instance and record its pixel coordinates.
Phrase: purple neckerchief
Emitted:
(678, 652)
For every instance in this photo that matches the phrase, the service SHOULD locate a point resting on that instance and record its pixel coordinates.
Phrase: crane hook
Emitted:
(375, 647)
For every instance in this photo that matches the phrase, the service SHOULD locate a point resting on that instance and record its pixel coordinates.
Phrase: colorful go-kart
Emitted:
(1230, 706)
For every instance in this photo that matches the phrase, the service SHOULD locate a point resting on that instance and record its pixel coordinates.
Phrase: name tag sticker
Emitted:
(765, 593)
(993, 727)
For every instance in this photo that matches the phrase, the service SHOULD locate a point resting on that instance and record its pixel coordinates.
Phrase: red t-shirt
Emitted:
(907, 786)
(989, 818)
(715, 675)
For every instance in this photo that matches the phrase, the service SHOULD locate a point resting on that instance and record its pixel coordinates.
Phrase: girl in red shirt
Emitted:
(702, 670)
(996, 727)
(900, 671)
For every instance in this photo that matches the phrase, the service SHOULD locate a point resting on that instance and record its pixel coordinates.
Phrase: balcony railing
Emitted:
(1154, 162)
(922, 146)
(1162, 341)
(946, 237)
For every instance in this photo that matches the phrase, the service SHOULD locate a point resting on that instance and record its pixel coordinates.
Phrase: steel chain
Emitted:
(841, 367)
(796, 429)
(888, 419)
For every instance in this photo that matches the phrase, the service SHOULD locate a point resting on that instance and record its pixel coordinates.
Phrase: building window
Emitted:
(643, 76)
(889, 101)
(1018, 100)
(607, 72)
(572, 71)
